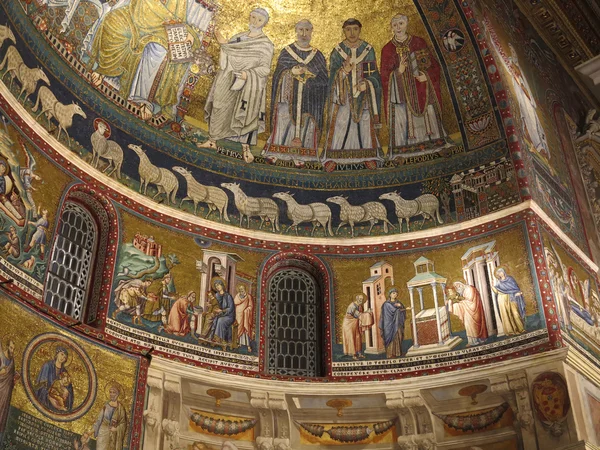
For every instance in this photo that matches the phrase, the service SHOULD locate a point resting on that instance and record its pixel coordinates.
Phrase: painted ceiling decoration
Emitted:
(235, 220)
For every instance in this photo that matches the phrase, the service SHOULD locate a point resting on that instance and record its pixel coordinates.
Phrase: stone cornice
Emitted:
(275, 388)
(555, 29)
(582, 361)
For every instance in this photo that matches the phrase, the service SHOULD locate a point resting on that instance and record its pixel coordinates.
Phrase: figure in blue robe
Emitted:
(221, 329)
(49, 373)
(508, 285)
(510, 303)
(391, 324)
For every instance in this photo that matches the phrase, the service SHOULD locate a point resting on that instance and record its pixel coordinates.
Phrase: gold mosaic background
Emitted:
(327, 18)
(511, 246)
(22, 326)
(185, 274)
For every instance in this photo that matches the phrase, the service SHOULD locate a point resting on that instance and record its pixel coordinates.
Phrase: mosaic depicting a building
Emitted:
(297, 225)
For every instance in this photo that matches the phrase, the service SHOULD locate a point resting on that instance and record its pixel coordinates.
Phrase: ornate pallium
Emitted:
(297, 223)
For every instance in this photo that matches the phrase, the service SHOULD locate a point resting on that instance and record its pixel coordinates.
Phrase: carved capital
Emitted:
(171, 429)
(404, 399)
(282, 444)
(264, 443)
(518, 382)
(499, 385)
(266, 400)
(278, 402)
(504, 384)
(259, 399)
(173, 386)
(151, 418)
(154, 382)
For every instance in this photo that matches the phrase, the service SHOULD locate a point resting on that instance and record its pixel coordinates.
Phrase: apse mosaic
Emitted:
(575, 291)
(61, 391)
(315, 109)
(31, 189)
(443, 301)
(181, 292)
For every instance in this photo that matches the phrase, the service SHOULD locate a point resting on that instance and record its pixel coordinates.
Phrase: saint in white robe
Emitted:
(235, 108)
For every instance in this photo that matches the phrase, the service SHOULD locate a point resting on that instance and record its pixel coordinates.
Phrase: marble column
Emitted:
(414, 317)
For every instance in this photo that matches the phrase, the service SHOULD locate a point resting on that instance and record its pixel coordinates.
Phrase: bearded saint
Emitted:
(470, 312)
(244, 315)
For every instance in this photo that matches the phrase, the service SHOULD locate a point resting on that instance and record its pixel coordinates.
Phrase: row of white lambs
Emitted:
(28, 78)
(318, 214)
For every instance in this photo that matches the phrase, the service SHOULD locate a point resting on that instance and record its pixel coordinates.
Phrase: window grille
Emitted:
(71, 262)
(293, 325)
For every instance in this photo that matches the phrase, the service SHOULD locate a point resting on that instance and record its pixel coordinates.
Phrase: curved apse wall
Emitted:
(459, 131)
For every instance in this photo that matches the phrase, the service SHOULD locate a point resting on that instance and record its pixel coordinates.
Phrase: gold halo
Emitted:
(113, 383)
(69, 350)
(500, 267)
(213, 279)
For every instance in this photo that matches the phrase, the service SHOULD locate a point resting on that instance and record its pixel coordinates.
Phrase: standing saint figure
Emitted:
(391, 324)
(298, 99)
(244, 316)
(532, 127)
(221, 328)
(351, 330)
(469, 311)
(38, 238)
(412, 97)
(511, 303)
(110, 429)
(8, 376)
(354, 99)
(236, 104)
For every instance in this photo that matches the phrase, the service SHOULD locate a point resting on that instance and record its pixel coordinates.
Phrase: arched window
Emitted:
(71, 262)
(294, 325)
